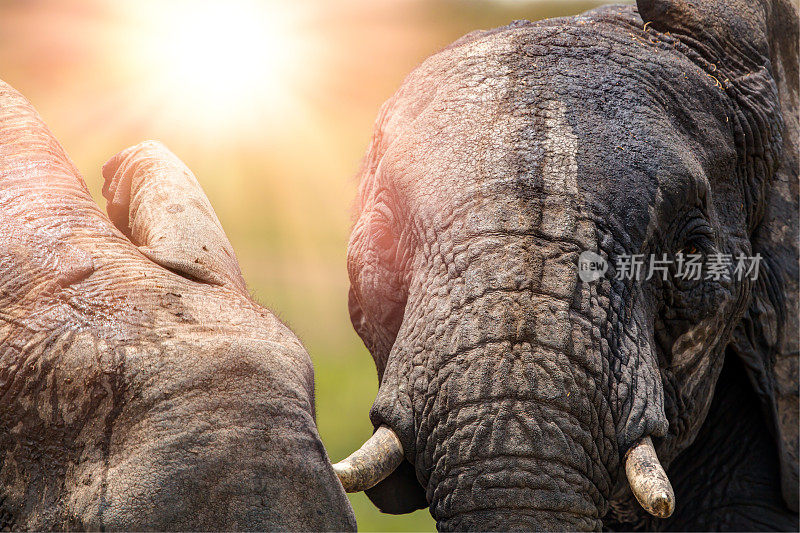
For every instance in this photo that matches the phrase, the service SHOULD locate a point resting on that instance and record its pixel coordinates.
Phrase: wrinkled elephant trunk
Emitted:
(517, 453)
(513, 519)
(511, 485)
(515, 430)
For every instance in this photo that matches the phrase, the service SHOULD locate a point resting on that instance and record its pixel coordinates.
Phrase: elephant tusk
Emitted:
(372, 463)
(648, 480)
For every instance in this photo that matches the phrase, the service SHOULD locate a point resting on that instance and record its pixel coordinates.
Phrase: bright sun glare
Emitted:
(217, 64)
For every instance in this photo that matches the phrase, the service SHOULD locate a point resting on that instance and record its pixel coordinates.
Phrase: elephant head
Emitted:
(514, 394)
(141, 387)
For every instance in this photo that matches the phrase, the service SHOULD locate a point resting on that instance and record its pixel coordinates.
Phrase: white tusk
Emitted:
(648, 480)
(372, 463)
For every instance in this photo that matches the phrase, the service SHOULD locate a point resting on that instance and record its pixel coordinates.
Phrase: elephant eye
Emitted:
(383, 237)
(383, 234)
(699, 238)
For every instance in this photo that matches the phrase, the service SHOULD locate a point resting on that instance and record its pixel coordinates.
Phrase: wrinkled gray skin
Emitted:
(141, 388)
(516, 388)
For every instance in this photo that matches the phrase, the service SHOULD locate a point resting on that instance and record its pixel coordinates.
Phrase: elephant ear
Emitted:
(767, 339)
(156, 201)
(757, 43)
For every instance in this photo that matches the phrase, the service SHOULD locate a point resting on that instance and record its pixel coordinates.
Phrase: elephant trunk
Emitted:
(518, 444)
(509, 392)
(521, 420)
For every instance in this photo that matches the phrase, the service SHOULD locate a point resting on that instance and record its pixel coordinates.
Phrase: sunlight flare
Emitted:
(218, 65)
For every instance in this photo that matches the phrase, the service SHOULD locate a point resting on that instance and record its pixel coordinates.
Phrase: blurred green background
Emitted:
(271, 104)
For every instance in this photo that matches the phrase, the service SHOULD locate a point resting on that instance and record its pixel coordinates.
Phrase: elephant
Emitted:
(515, 394)
(142, 388)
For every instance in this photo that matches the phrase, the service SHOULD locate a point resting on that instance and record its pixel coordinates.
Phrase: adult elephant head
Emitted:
(141, 387)
(512, 393)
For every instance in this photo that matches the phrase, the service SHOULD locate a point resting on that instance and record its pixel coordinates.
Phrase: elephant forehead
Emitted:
(508, 170)
(595, 104)
(464, 154)
(525, 120)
